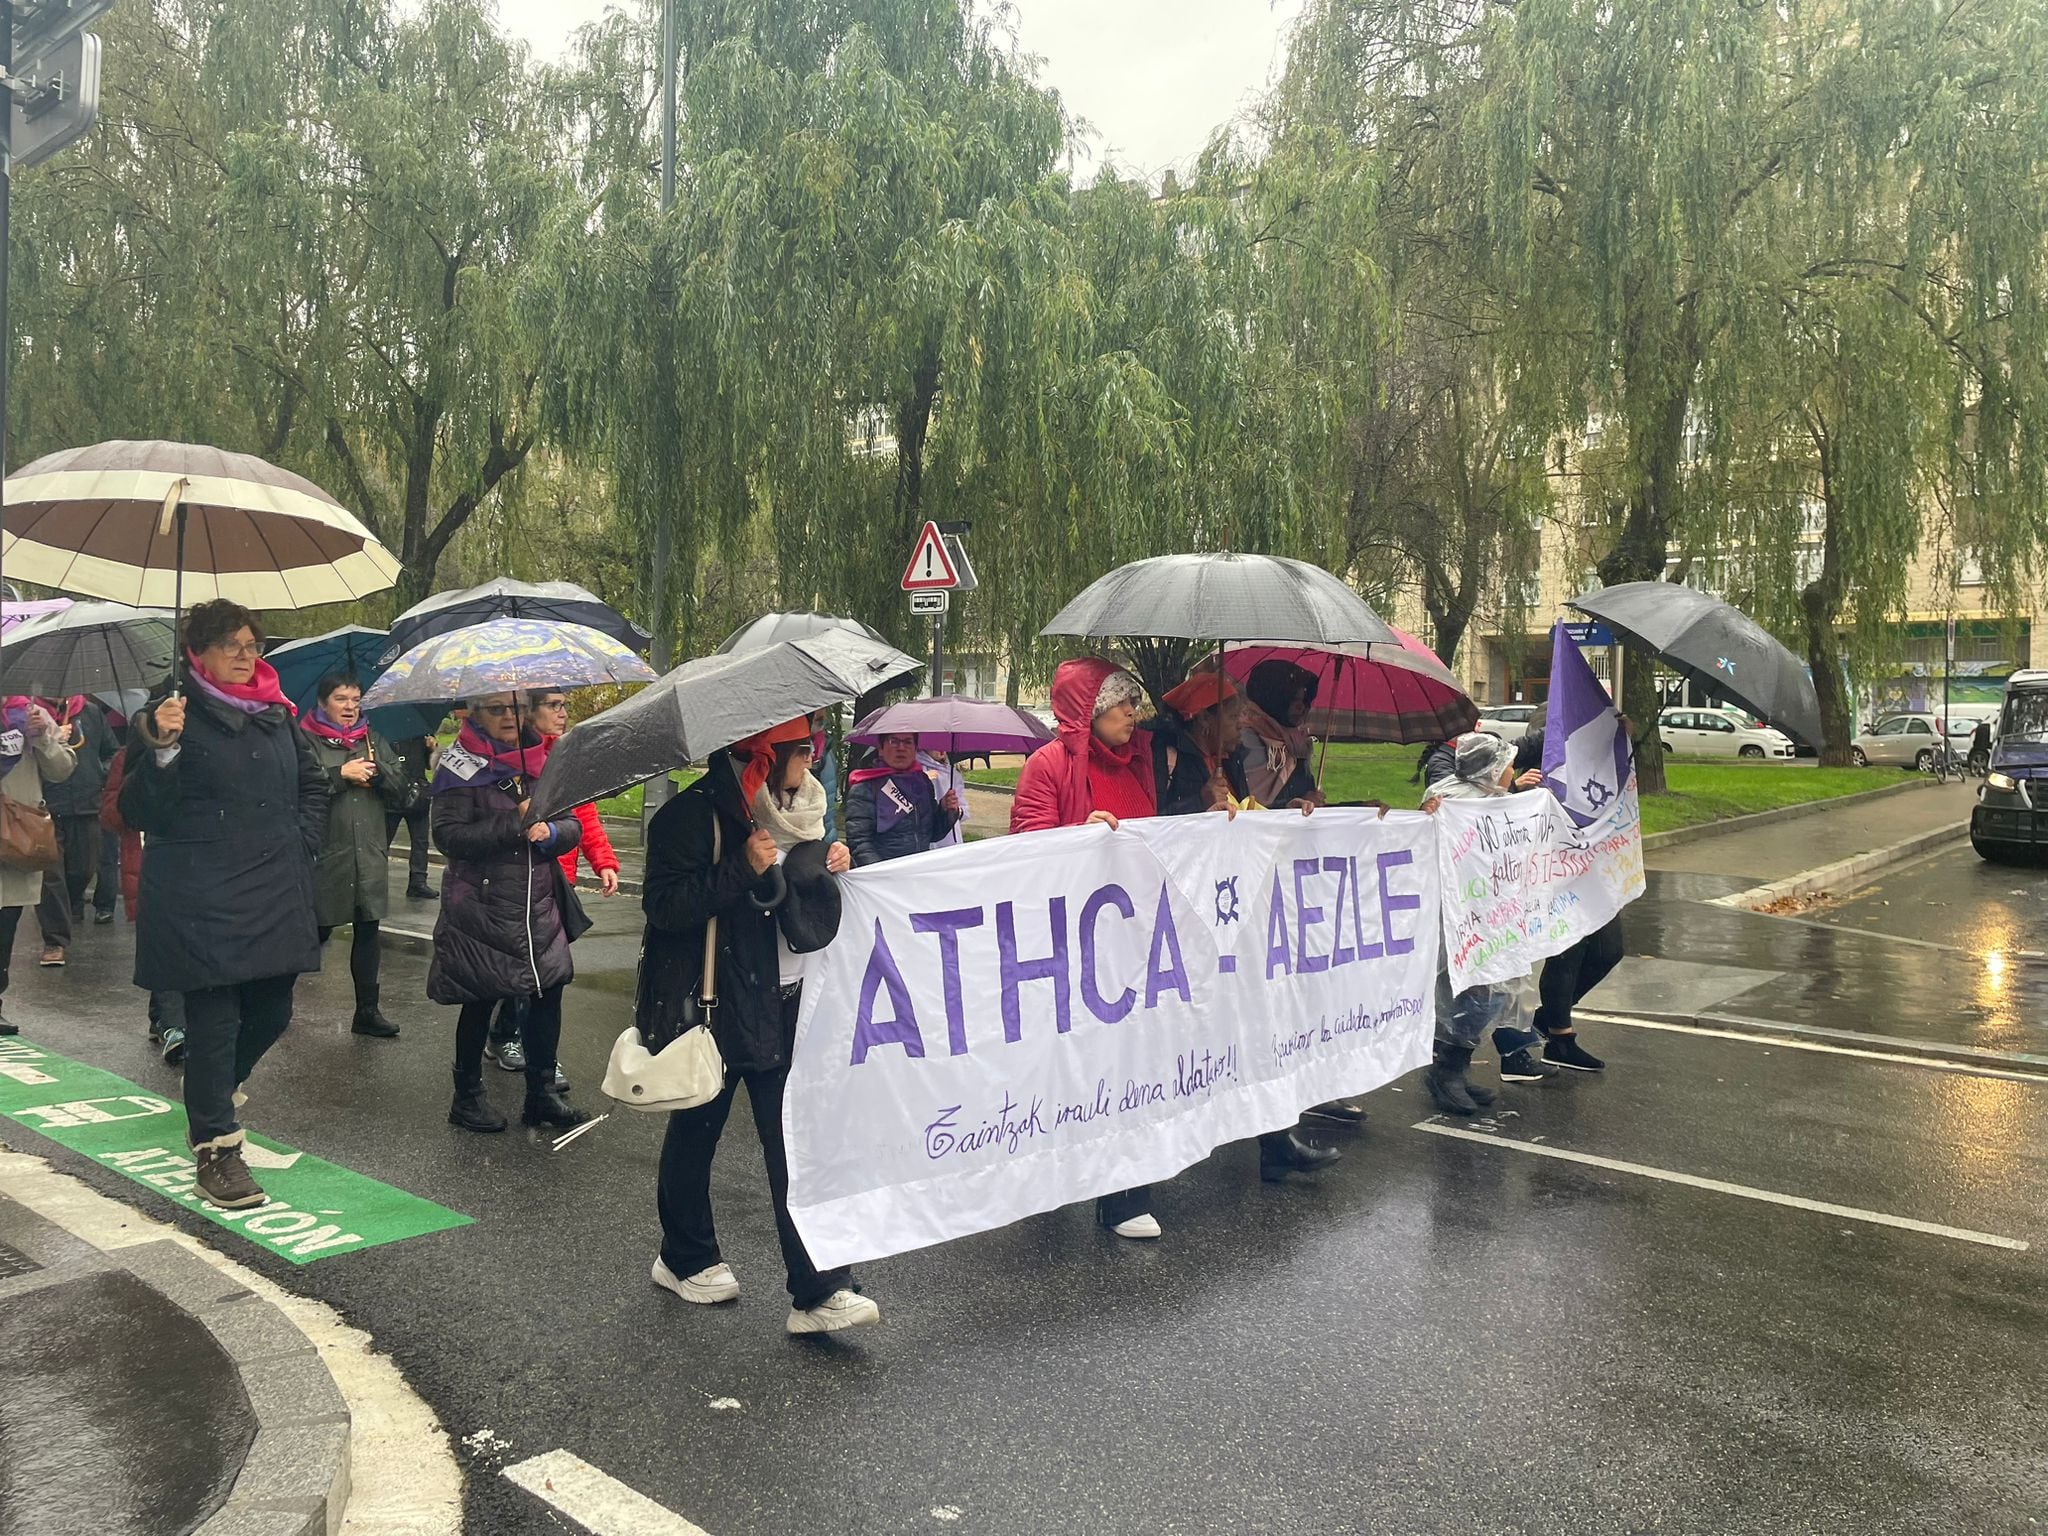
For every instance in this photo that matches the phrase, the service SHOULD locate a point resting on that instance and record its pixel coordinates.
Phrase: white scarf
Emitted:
(803, 821)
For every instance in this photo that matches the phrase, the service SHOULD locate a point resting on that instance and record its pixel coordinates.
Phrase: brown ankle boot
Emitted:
(223, 1176)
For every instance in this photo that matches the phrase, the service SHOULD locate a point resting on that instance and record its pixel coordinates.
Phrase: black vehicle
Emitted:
(2010, 821)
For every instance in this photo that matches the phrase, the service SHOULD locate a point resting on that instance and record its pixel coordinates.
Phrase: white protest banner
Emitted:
(1521, 881)
(1010, 1026)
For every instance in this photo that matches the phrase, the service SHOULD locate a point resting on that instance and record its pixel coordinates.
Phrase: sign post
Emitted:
(932, 574)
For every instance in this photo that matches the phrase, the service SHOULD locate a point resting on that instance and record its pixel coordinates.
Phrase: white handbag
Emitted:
(688, 1071)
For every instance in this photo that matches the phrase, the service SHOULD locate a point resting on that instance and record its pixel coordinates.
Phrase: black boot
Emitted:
(368, 1020)
(471, 1110)
(1445, 1080)
(544, 1106)
(1284, 1152)
(1480, 1096)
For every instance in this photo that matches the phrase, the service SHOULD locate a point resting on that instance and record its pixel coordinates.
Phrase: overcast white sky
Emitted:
(1152, 77)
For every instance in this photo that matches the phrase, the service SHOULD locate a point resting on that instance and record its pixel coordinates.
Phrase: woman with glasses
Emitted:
(502, 932)
(223, 785)
(892, 810)
(507, 1045)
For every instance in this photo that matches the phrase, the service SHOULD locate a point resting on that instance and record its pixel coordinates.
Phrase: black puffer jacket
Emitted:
(893, 818)
(682, 892)
(233, 822)
(500, 930)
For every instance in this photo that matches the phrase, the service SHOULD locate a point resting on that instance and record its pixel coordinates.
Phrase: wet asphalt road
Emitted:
(1437, 1335)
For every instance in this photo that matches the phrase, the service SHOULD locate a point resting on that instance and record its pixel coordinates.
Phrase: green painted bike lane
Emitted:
(316, 1209)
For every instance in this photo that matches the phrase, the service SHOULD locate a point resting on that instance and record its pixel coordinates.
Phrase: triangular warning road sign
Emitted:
(931, 567)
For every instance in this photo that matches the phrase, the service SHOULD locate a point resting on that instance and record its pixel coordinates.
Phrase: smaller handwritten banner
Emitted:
(1009, 1026)
(1522, 882)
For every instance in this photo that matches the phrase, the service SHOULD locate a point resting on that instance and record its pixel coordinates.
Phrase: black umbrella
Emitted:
(1223, 597)
(773, 628)
(706, 704)
(1715, 644)
(88, 647)
(561, 602)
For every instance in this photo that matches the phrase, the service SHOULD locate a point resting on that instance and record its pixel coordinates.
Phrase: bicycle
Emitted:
(1942, 762)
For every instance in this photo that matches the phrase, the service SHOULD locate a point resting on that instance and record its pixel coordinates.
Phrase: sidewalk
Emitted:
(1758, 855)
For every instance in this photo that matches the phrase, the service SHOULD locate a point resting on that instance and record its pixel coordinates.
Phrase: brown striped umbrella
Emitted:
(156, 524)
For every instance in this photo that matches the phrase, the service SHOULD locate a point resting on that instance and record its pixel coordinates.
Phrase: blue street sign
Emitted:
(1589, 634)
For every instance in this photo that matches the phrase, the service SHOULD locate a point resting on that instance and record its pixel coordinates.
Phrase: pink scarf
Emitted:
(261, 692)
(339, 735)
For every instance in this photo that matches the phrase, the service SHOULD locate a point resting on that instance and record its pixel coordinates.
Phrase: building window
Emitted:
(1970, 571)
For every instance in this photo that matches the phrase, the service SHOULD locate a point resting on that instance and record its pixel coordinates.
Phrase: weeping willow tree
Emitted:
(1695, 216)
(298, 230)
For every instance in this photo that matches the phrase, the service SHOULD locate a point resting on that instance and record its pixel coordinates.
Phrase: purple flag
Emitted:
(1585, 751)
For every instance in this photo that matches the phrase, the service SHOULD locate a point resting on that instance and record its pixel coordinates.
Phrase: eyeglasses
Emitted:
(495, 710)
(237, 648)
(900, 741)
(551, 704)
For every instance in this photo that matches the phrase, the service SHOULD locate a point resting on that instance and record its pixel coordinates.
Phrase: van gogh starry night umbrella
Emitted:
(504, 656)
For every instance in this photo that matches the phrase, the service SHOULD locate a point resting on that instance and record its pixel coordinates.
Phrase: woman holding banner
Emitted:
(1482, 766)
(1097, 771)
(743, 846)
(1199, 756)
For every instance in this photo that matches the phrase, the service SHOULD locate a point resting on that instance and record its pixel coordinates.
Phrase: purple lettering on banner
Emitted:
(1340, 952)
(1276, 933)
(901, 1029)
(1172, 977)
(1365, 951)
(1390, 903)
(947, 926)
(1305, 918)
(1108, 1011)
(1016, 972)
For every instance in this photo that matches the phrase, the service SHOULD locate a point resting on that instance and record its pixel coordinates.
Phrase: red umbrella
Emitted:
(1371, 692)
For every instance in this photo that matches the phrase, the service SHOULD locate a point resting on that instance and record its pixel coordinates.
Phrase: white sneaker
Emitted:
(1138, 1226)
(706, 1287)
(842, 1309)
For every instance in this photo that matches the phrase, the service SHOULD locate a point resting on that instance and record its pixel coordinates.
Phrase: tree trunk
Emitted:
(417, 556)
(912, 423)
(1820, 603)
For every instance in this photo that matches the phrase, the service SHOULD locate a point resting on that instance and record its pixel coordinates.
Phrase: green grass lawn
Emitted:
(631, 802)
(1702, 790)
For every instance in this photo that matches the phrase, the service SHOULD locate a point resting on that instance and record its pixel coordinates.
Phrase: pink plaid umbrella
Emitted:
(1371, 692)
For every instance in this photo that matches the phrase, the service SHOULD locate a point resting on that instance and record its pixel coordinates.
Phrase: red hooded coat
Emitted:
(1060, 782)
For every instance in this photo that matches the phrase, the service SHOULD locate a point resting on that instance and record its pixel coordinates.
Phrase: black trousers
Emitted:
(415, 824)
(1114, 1210)
(10, 924)
(363, 954)
(689, 1241)
(1572, 973)
(227, 1030)
(106, 885)
(78, 841)
(543, 1038)
(510, 1022)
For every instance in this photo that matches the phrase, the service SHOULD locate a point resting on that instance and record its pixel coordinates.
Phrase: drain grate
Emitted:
(14, 1262)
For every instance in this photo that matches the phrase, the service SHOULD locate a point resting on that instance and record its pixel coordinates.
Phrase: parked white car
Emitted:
(1509, 721)
(1720, 733)
(1902, 741)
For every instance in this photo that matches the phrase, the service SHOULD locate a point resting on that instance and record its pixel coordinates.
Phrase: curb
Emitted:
(295, 1479)
(1680, 835)
(2031, 1063)
(1842, 875)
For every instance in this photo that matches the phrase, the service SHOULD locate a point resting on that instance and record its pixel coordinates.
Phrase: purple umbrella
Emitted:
(955, 724)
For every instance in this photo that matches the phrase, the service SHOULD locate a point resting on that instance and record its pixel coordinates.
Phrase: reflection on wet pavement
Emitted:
(1844, 972)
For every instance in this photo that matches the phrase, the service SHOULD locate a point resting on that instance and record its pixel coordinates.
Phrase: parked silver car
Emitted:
(1507, 721)
(1897, 741)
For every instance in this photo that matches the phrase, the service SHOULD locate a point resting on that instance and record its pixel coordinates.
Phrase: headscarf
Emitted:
(318, 724)
(261, 692)
(759, 752)
(13, 731)
(462, 764)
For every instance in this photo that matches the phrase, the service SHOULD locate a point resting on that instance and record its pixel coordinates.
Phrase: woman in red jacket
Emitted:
(1100, 769)
(507, 1045)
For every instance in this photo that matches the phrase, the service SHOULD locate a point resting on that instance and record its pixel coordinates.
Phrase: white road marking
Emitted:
(1722, 1187)
(409, 933)
(595, 1500)
(1791, 1043)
